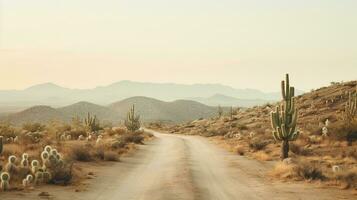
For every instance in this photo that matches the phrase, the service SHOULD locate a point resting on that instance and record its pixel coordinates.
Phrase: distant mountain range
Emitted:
(57, 96)
(150, 110)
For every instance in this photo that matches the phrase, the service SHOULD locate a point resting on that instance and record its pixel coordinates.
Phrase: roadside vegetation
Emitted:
(311, 137)
(58, 153)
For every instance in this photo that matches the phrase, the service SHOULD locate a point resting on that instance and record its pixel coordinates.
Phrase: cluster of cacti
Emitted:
(132, 121)
(284, 119)
(51, 163)
(91, 123)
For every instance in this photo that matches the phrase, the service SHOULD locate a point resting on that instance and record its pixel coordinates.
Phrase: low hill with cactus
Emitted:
(151, 109)
(325, 149)
(148, 108)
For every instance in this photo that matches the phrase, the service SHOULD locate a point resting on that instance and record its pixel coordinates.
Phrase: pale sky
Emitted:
(241, 43)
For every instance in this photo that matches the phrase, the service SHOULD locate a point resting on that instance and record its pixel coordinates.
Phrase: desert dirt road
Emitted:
(176, 167)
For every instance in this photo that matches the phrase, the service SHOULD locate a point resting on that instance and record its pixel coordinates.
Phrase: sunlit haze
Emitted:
(240, 43)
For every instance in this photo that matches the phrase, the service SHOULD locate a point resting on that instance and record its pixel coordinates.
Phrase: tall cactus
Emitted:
(91, 123)
(351, 107)
(132, 121)
(350, 116)
(284, 119)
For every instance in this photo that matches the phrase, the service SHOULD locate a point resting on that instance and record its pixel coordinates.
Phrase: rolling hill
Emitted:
(150, 110)
(57, 96)
(155, 110)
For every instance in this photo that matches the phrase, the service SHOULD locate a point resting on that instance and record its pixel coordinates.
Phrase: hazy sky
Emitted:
(241, 43)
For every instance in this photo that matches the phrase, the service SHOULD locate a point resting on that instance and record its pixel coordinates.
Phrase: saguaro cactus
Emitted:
(284, 119)
(132, 121)
(350, 116)
(91, 122)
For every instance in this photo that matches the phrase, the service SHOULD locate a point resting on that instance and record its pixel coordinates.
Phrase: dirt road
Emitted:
(175, 167)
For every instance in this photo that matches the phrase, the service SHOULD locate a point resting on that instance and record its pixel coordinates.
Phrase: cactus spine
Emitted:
(132, 121)
(284, 119)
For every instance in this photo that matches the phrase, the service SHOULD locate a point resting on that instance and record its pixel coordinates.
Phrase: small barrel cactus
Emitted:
(27, 181)
(48, 148)
(45, 159)
(35, 166)
(5, 181)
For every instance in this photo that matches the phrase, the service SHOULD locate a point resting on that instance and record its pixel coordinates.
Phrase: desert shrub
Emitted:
(111, 156)
(299, 150)
(310, 171)
(342, 131)
(7, 130)
(33, 127)
(261, 155)
(298, 171)
(81, 153)
(136, 138)
(77, 132)
(348, 178)
(116, 131)
(118, 144)
(258, 144)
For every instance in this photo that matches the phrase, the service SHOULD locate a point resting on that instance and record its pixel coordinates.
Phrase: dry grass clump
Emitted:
(299, 150)
(348, 178)
(342, 131)
(258, 144)
(262, 156)
(82, 153)
(136, 138)
(298, 171)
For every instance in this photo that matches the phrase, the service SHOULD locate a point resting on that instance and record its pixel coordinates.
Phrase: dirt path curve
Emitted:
(176, 167)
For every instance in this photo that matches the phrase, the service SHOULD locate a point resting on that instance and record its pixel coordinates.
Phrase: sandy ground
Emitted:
(175, 167)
